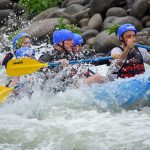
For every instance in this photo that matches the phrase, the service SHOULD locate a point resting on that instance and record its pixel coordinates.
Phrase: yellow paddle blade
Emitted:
(4, 91)
(23, 66)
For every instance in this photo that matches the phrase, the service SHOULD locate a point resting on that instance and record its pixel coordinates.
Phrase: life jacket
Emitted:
(24, 52)
(133, 65)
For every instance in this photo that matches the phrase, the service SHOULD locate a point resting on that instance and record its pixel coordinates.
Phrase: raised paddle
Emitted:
(24, 66)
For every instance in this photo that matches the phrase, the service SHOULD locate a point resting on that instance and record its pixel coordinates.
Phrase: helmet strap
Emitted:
(63, 46)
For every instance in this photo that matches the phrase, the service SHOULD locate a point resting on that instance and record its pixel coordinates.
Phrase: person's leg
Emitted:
(96, 78)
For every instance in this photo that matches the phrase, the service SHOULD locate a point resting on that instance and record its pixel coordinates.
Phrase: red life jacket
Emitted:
(133, 65)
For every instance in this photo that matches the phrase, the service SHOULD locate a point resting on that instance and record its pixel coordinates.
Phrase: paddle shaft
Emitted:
(81, 61)
(143, 46)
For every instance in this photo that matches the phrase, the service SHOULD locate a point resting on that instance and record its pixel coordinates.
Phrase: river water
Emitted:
(70, 120)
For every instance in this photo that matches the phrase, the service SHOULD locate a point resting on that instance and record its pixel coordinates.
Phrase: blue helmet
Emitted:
(61, 36)
(124, 28)
(17, 37)
(77, 39)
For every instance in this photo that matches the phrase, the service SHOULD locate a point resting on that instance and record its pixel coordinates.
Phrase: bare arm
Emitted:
(127, 49)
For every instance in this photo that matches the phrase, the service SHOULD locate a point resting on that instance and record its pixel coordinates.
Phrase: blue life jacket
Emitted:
(24, 52)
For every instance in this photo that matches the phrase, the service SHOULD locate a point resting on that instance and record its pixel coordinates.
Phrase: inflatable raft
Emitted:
(127, 93)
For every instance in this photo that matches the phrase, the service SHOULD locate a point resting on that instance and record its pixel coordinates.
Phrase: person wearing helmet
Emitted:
(21, 45)
(128, 60)
(78, 42)
(19, 39)
(79, 49)
(81, 53)
(62, 52)
(62, 44)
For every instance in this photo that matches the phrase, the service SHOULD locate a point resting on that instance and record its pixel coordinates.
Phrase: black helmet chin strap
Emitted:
(62, 46)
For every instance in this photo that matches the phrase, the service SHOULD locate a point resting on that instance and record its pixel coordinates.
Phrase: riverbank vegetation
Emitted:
(36, 6)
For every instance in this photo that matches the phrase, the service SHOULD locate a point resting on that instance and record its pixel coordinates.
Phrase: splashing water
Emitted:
(65, 121)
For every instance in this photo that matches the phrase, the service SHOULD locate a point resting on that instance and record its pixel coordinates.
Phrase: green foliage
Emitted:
(113, 29)
(12, 35)
(63, 25)
(36, 6)
(19, 43)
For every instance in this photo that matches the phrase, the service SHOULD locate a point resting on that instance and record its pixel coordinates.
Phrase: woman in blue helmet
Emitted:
(21, 45)
(129, 61)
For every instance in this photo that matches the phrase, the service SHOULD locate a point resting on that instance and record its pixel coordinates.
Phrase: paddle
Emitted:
(23, 66)
(4, 91)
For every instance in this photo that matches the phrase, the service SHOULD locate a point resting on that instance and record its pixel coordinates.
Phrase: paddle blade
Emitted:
(4, 91)
(23, 66)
